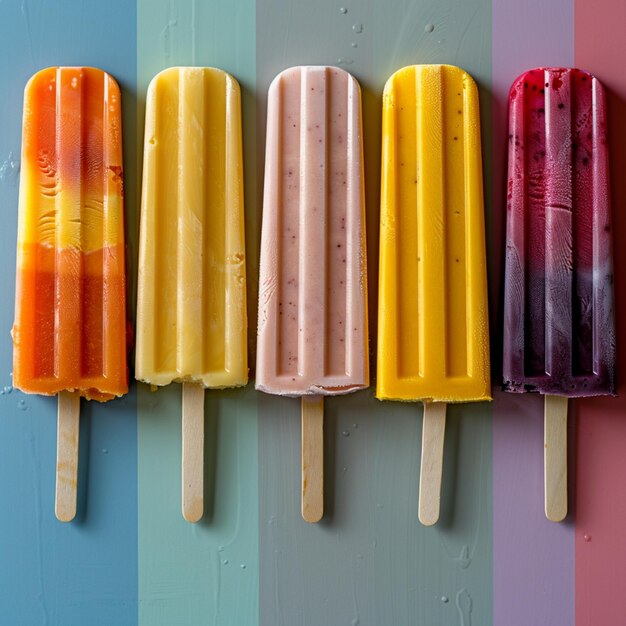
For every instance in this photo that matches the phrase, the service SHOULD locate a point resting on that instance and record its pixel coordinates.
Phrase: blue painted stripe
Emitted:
(84, 572)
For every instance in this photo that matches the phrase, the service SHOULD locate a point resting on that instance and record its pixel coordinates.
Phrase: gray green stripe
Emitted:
(369, 562)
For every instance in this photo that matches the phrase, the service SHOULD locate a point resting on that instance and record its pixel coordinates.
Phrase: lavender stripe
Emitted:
(533, 559)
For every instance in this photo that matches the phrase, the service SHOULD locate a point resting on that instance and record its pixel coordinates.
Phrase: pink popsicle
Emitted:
(312, 327)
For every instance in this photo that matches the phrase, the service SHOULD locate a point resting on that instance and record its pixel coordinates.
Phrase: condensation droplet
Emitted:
(445, 599)
(343, 10)
(357, 28)
(355, 45)
(429, 28)
(21, 405)
(225, 561)
(8, 389)
(74, 82)
(587, 538)
(345, 433)
(105, 451)
(243, 566)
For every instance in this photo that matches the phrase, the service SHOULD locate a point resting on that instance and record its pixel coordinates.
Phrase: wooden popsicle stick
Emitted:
(68, 425)
(312, 458)
(193, 451)
(555, 457)
(432, 462)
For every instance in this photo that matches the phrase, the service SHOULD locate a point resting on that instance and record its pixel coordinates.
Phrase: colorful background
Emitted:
(129, 558)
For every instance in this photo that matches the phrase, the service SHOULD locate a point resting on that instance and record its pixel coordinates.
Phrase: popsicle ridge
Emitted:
(70, 319)
(312, 332)
(191, 308)
(433, 324)
(559, 333)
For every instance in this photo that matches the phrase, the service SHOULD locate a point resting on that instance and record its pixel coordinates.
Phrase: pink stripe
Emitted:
(533, 559)
(601, 423)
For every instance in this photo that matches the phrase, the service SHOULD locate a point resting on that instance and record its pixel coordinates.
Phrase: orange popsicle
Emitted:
(69, 335)
(70, 318)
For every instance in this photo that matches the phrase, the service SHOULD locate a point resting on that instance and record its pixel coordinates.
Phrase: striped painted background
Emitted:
(129, 558)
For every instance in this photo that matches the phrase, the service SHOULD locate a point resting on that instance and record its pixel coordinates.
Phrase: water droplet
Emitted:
(357, 28)
(445, 599)
(243, 566)
(355, 45)
(343, 10)
(344, 469)
(355, 425)
(9, 169)
(587, 537)
(74, 82)
(21, 405)
(105, 451)
(220, 549)
(429, 28)
(8, 389)
(345, 433)
(225, 561)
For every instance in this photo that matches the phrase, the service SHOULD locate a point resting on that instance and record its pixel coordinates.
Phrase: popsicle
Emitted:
(312, 326)
(433, 337)
(559, 337)
(69, 335)
(191, 301)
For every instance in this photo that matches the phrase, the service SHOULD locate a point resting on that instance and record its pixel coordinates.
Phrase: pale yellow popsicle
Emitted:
(191, 303)
(433, 340)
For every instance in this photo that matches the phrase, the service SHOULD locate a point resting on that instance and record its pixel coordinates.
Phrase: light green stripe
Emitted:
(205, 573)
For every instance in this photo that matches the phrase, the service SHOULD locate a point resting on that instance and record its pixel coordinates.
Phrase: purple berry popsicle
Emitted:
(559, 336)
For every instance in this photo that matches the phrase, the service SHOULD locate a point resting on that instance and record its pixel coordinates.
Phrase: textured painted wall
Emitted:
(129, 558)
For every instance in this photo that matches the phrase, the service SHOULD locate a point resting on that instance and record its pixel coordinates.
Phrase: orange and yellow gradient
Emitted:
(70, 305)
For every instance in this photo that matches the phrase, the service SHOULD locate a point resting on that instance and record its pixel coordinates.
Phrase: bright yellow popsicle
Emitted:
(433, 342)
(191, 305)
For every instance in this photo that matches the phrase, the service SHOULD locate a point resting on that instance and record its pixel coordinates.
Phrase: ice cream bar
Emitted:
(312, 326)
(191, 304)
(70, 317)
(69, 335)
(433, 338)
(559, 337)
